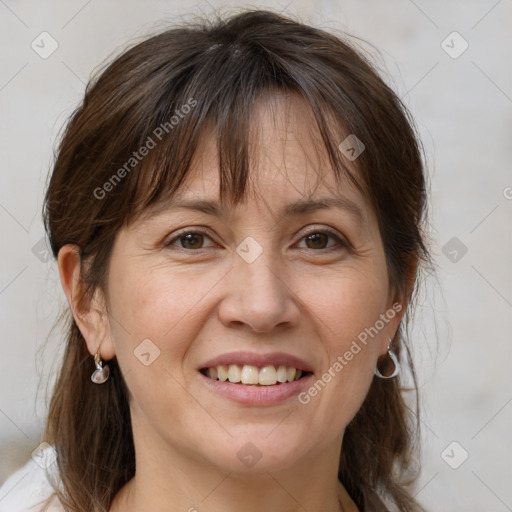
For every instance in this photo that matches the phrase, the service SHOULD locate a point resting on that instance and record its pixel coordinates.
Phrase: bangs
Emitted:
(215, 93)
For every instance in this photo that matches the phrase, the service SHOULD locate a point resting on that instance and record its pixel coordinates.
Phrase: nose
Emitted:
(259, 295)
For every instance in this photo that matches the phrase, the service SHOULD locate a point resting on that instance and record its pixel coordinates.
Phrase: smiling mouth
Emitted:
(250, 375)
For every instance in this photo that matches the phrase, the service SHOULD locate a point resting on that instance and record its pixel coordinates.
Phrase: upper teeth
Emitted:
(248, 374)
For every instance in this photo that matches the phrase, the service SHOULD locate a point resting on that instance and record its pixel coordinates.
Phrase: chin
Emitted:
(257, 449)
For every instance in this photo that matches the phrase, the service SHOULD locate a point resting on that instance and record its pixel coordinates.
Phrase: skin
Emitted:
(296, 297)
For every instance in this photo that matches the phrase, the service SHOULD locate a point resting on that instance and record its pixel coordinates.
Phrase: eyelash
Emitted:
(313, 232)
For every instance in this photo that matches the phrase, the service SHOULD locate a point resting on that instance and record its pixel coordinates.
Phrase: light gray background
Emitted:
(463, 109)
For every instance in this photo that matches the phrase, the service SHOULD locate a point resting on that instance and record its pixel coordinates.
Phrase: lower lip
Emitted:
(256, 395)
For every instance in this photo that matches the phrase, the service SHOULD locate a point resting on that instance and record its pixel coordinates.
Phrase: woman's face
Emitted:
(257, 285)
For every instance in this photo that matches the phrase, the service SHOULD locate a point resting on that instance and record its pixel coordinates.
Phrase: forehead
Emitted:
(288, 164)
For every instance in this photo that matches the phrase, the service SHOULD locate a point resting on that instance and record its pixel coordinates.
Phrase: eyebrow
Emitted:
(301, 207)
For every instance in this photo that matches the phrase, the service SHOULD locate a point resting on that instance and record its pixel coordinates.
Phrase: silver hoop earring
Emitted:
(102, 373)
(393, 358)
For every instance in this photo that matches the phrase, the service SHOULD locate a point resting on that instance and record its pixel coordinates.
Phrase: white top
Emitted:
(27, 489)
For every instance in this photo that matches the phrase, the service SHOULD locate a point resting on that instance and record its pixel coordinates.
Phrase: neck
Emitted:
(169, 479)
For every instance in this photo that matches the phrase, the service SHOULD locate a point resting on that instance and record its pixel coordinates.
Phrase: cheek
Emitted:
(159, 303)
(157, 313)
(346, 313)
(155, 318)
(347, 305)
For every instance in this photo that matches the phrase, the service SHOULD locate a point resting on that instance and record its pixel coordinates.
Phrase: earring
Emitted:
(393, 358)
(102, 373)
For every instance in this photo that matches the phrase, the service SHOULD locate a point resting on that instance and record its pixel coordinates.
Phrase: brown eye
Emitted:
(189, 240)
(317, 240)
(192, 241)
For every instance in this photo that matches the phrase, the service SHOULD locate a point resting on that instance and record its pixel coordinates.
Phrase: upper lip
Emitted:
(259, 360)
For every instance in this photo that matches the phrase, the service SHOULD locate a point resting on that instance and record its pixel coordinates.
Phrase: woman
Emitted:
(236, 209)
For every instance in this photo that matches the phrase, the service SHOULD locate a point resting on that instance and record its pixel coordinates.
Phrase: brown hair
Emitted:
(170, 87)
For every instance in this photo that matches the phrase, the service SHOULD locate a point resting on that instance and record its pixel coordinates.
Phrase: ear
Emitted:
(399, 301)
(90, 315)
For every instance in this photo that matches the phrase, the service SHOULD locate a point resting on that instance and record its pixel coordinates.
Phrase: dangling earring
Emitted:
(393, 358)
(102, 373)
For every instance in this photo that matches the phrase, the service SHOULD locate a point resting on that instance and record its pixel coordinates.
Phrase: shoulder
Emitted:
(28, 488)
